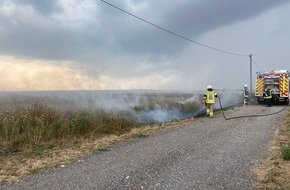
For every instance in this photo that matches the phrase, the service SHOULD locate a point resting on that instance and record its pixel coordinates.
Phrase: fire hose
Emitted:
(245, 116)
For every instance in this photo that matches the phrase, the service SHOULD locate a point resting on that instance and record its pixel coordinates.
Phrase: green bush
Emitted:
(286, 152)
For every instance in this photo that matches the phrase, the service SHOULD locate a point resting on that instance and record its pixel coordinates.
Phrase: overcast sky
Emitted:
(71, 44)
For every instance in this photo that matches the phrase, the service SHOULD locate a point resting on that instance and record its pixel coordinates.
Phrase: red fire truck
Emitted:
(278, 81)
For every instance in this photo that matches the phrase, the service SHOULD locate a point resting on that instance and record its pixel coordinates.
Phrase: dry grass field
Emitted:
(42, 130)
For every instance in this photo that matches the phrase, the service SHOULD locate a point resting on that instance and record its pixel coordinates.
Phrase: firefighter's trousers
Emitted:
(209, 109)
(245, 99)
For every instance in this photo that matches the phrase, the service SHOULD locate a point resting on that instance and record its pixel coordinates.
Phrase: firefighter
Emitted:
(268, 96)
(246, 94)
(208, 97)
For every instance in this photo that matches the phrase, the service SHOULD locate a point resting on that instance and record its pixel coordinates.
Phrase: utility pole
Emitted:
(251, 72)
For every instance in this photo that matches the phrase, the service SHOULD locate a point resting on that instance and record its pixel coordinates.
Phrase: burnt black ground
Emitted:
(209, 153)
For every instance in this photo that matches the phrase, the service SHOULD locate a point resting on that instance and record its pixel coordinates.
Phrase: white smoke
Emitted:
(160, 115)
(145, 106)
(229, 98)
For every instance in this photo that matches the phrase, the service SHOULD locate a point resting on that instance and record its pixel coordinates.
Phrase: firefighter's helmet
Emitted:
(209, 87)
(246, 85)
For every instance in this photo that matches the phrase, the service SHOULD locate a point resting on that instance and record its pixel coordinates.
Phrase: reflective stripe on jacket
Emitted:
(209, 96)
(268, 94)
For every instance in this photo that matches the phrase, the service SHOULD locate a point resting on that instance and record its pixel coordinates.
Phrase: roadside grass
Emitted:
(15, 166)
(38, 127)
(274, 172)
(36, 136)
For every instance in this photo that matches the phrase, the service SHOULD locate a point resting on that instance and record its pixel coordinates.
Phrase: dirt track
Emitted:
(206, 154)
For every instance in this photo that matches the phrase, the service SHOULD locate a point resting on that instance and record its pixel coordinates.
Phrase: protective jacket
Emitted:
(268, 94)
(209, 96)
(246, 92)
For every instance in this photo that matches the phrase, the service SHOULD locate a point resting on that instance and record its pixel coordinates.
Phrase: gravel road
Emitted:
(208, 153)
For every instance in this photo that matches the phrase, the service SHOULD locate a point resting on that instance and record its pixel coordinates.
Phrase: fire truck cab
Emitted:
(278, 81)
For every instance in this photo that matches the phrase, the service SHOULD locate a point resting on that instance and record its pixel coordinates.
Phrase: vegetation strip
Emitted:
(32, 154)
(274, 172)
(40, 132)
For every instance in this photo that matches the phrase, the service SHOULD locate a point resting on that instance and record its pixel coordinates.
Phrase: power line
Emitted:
(257, 65)
(173, 33)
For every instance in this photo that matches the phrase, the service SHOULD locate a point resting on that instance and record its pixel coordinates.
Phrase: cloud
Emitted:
(99, 47)
(75, 13)
(74, 30)
(44, 7)
(187, 18)
(38, 75)
(17, 74)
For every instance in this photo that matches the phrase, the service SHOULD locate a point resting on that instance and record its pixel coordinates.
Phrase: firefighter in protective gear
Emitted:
(246, 94)
(268, 96)
(208, 97)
